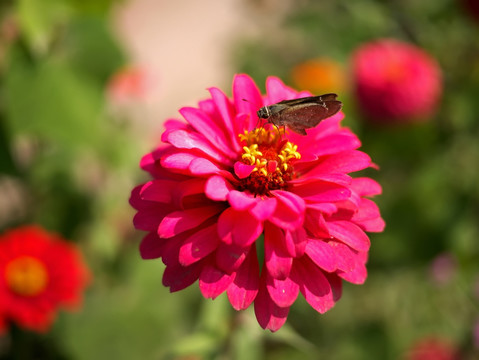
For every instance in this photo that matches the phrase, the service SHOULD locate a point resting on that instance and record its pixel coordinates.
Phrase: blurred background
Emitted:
(85, 86)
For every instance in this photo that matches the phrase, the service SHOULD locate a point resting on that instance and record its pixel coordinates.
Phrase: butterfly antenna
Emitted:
(259, 120)
(258, 123)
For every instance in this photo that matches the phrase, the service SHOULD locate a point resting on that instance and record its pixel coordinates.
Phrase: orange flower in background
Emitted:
(39, 273)
(131, 83)
(320, 75)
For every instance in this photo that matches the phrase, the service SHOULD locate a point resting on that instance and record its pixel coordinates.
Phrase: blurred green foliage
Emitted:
(70, 166)
(60, 149)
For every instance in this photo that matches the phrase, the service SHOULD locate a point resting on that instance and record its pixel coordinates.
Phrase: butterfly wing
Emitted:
(307, 115)
(310, 99)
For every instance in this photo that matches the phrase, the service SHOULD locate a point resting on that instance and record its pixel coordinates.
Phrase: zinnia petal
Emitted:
(277, 91)
(289, 211)
(198, 245)
(264, 208)
(214, 282)
(321, 254)
(238, 227)
(151, 246)
(268, 313)
(226, 110)
(344, 162)
(179, 162)
(240, 200)
(179, 221)
(314, 286)
(183, 139)
(351, 267)
(320, 191)
(229, 257)
(200, 121)
(244, 288)
(282, 292)
(247, 99)
(179, 277)
(158, 190)
(217, 188)
(368, 217)
(277, 259)
(350, 234)
(243, 170)
(366, 186)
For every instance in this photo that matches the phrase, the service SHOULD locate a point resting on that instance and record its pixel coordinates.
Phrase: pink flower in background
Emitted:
(396, 81)
(475, 335)
(443, 268)
(257, 212)
(475, 288)
(433, 348)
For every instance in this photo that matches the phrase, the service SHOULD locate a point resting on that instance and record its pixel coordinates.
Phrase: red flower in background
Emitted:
(39, 273)
(219, 183)
(433, 349)
(396, 81)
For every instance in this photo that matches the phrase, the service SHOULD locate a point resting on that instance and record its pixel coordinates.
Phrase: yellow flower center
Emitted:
(272, 157)
(26, 276)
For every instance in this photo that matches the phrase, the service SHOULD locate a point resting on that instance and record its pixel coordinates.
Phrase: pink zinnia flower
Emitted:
(260, 213)
(396, 81)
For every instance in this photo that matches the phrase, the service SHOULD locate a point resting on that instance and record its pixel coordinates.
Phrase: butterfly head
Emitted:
(264, 112)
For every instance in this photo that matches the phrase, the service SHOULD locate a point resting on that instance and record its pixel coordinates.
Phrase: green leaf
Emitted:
(91, 49)
(199, 343)
(52, 102)
(39, 19)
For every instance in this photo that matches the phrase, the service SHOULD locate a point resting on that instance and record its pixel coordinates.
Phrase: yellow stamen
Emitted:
(272, 157)
(26, 276)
